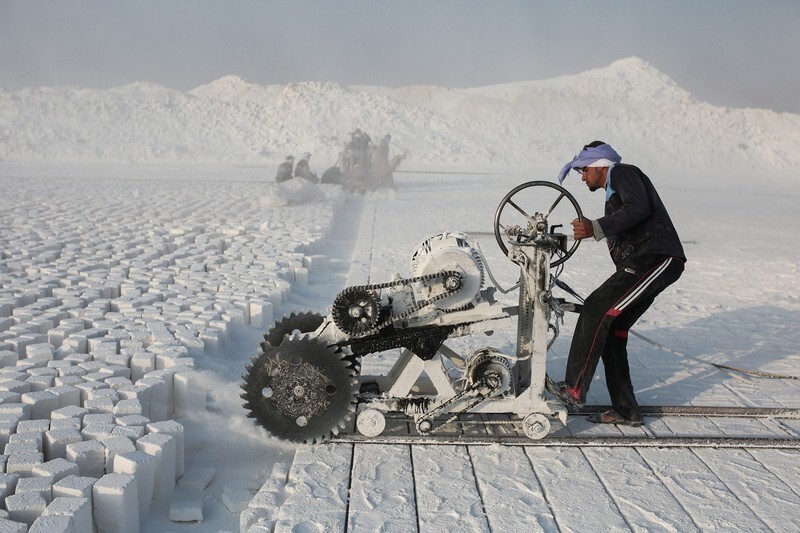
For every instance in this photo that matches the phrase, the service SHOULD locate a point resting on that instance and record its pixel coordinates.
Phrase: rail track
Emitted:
(486, 430)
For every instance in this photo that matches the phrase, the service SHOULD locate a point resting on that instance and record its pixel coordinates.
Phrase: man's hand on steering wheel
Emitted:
(582, 228)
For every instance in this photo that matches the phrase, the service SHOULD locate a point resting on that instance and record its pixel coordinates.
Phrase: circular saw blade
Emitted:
(301, 391)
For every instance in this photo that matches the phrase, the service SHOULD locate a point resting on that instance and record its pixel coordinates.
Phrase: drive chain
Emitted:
(413, 309)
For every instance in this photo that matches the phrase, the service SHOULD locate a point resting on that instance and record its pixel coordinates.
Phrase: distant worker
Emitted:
(285, 170)
(302, 170)
(381, 170)
(649, 258)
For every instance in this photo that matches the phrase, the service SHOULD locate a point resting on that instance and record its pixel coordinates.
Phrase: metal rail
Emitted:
(702, 410)
(643, 441)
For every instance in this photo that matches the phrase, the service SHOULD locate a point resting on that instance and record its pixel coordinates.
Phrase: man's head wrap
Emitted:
(590, 156)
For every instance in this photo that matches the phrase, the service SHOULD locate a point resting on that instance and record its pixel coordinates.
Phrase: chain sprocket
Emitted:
(355, 310)
(301, 391)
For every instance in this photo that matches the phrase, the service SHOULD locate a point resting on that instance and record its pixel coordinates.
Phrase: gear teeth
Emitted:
(304, 321)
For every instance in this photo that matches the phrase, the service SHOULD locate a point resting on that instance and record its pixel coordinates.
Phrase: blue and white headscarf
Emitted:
(590, 157)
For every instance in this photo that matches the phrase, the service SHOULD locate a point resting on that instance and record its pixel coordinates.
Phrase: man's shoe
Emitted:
(613, 417)
(561, 391)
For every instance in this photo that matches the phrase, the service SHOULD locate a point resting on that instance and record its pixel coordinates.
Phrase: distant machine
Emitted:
(363, 165)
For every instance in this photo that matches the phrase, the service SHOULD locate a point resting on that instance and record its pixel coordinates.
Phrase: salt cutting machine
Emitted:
(306, 384)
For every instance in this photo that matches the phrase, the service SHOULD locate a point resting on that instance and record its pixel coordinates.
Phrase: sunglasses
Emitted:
(580, 170)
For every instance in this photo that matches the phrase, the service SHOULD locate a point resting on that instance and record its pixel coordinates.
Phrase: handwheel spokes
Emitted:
(518, 208)
(514, 202)
(560, 196)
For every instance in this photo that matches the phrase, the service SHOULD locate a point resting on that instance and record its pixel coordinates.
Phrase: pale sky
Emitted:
(735, 53)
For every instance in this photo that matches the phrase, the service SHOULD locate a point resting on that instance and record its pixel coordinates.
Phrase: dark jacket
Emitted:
(636, 222)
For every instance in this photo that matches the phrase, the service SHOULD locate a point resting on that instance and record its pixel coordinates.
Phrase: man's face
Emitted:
(594, 177)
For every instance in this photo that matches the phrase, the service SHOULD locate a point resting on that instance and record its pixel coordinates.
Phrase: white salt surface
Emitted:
(140, 291)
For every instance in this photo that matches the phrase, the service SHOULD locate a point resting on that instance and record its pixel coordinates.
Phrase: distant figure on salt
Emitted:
(381, 171)
(302, 170)
(285, 170)
(382, 167)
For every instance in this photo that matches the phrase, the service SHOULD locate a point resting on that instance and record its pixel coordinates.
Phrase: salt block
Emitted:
(7, 428)
(23, 463)
(8, 483)
(68, 396)
(74, 487)
(8, 358)
(77, 509)
(97, 431)
(141, 364)
(142, 466)
(261, 313)
(133, 433)
(132, 420)
(11, 526)
(57, 440)
(25, 507)
(33, 426)
(42, 403)
(65, 423)
(196, 479)
(90, 456)
(116, 445)
(39, 484)
(188, 511)
(159, 407)
(91, 419)
(128, 407)
(53, 524)
(175, 429)
(116, 504)
(162, 446)
(18, 447)
(70, 411)
(57, 468)
(235, 498)
(190, 393)
(15, 385)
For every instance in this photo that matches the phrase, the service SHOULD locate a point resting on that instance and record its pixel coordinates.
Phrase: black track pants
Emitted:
(602, 328)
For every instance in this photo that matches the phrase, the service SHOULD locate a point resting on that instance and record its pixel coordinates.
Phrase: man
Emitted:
(302, 169)
(649, 257)
(285, 170)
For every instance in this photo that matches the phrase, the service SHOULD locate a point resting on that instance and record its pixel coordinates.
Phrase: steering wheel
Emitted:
(523, 194)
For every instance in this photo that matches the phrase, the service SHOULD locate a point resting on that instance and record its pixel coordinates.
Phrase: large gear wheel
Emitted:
(304, 322)
(301, 391)
(355, 310)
